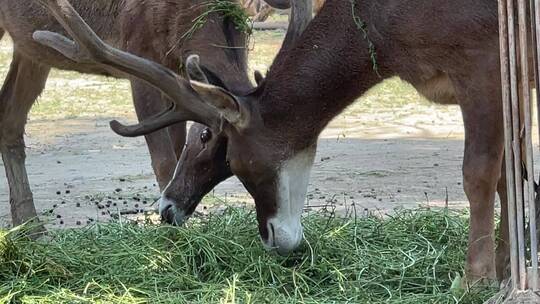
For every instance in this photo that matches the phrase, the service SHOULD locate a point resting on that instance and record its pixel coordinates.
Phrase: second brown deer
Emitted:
(160, 30)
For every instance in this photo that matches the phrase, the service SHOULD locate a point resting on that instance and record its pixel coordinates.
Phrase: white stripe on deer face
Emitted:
(285, 228)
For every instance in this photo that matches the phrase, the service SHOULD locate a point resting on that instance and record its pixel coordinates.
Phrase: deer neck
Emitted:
(328, 68)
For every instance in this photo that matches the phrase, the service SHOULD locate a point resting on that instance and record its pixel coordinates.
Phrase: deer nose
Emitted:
(169, 213)
(284, 239)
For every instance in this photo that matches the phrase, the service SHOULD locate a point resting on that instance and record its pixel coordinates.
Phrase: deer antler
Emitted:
(301, 16)
(89, 48)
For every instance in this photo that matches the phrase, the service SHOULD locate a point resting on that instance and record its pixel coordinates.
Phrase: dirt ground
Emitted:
(391, 149)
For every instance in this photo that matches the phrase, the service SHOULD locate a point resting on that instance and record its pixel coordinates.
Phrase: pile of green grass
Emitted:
(410, 257)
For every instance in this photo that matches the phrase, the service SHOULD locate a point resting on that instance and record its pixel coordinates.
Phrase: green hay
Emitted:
(410, 257)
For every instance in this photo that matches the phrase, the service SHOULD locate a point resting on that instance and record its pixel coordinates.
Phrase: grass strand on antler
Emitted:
(228, 9)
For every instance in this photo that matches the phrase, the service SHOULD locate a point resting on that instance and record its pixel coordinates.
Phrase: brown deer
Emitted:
(158, 30)
(447, 49)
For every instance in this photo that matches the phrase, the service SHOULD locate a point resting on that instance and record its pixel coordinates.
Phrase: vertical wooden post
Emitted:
(515, 52)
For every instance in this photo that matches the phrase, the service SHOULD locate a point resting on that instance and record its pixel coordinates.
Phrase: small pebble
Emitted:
(58, 216)
(68, 191)
(61, 222)
(55, 205)
(118, 190)
(63, 203)
(122, 179)
(114, 204)
(78, 223)
(58, 192)
(78, 204)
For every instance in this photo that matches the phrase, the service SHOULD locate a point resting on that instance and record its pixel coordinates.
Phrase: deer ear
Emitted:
(226, 104)
(259, 78)
(194, 70)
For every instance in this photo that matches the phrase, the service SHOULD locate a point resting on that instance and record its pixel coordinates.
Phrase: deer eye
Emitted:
(206, 135)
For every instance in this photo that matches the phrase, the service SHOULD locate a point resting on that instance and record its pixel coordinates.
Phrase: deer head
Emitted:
(275, 172)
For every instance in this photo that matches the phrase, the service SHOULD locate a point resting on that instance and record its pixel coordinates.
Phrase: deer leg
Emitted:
(24, 82)
(503, 245)
(149, 101)
(481, 171)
